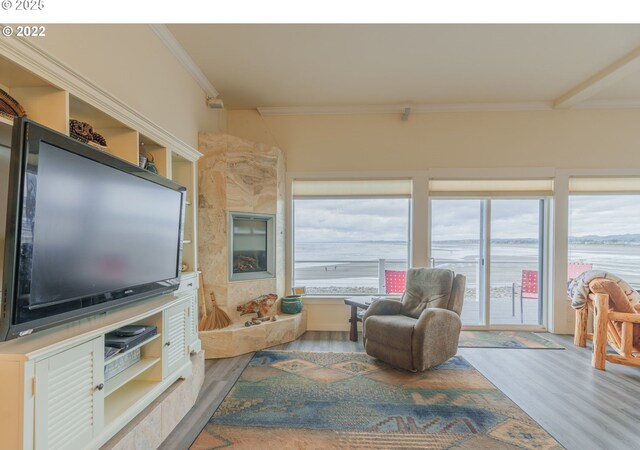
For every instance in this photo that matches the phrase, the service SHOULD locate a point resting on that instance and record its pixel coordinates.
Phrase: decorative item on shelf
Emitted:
(83, 132)
(151, 165)
(259, 320)
(184, 267)
(9, 106)
(291, 304)
(217, 319)
(262, 306)
(298, 290)
(142, 160)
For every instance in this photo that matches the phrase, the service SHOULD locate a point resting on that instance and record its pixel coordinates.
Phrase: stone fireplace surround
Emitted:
(237, 175)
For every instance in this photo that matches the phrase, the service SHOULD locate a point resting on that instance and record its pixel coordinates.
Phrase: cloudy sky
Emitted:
(344, 220)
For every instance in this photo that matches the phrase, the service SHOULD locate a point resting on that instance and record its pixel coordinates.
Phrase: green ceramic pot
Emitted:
(291, 304)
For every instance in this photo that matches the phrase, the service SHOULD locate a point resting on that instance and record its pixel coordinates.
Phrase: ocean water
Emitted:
(340, 266)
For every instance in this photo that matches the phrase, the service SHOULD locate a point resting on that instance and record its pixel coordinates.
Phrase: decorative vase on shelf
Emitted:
(151, 165)
(291, 304)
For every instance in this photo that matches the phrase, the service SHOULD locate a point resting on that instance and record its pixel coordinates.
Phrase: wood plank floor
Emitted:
(583, 408)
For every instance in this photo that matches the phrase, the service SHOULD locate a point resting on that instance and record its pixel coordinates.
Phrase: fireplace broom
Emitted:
(217, 319)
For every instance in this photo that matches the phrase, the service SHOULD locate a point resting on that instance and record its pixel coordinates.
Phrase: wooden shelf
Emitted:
(12, 76)
(124, 398)
(120, 355)
(127, 375)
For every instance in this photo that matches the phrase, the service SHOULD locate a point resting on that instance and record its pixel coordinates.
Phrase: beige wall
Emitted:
(560, 139)
(567, 140)
(132, 64)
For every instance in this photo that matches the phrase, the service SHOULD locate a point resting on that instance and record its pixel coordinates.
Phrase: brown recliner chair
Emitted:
(422, 330)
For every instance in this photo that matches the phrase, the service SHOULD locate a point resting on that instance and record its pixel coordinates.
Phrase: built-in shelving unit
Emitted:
(54, 107)
(164, 358)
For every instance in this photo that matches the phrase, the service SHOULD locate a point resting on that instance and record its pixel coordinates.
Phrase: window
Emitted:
(604, 229)
(347, 234)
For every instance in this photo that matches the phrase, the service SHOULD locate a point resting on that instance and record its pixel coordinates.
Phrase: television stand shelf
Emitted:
(53, 381)
(129, 374)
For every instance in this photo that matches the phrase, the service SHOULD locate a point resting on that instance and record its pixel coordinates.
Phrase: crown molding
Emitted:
(170, 41)
(34, 59)
(400, 108)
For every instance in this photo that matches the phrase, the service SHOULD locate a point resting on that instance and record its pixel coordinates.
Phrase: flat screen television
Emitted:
(85, 232)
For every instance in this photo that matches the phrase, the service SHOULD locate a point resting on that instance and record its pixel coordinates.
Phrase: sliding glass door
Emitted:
(457, 227)
(516, 261)
(497, 244)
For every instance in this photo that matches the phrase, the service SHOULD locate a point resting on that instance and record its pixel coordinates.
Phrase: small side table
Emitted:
(356, 303)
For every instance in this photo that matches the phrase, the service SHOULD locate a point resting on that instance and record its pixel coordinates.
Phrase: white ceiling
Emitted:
(310, 66)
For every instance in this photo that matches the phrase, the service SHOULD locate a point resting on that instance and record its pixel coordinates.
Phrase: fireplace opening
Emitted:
(251, 253)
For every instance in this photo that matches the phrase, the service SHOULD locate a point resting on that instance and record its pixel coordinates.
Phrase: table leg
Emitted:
(353, 332)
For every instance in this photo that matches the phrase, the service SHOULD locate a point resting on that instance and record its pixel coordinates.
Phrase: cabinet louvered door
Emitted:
(68, 398)
(175, 338)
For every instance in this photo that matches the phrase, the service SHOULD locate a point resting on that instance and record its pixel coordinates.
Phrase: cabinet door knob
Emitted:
(190, 284)
(168, 343)
(100, 387)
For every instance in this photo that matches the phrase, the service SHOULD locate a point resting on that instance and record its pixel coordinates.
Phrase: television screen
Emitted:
(96, 229)
(91, 231)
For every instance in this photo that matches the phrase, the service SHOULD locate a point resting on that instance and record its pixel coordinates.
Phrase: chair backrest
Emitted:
(395, 281)
(529, 284)
(427, 288)
(575, 269)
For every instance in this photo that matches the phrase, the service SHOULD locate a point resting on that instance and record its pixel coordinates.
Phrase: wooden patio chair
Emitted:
(609, 327)
(394, 281)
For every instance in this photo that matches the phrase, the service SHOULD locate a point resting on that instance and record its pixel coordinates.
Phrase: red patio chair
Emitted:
(394, 281)
(528, 289)
(575, 269)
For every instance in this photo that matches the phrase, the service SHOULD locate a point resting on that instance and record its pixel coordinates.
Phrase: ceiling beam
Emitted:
(604, 78)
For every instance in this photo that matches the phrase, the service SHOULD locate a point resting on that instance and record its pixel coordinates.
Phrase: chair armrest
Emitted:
(379, 307)
(435, 337)
(382, 307)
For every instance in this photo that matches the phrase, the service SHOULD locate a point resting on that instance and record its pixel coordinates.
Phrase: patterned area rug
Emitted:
(506, 339)
(296, 400)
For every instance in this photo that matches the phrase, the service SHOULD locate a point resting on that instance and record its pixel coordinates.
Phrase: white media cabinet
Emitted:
(52, 389)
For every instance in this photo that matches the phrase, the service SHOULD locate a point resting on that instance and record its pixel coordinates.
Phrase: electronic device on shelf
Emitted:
(124, 343)
(130, 330)
(86, 232)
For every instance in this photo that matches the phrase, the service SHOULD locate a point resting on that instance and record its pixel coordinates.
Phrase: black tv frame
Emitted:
(26, 130)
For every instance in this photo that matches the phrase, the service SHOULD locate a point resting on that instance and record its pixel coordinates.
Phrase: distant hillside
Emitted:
(633, 239)
(593, 239)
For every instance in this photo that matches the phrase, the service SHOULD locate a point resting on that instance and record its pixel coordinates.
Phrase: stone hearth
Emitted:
(237, 175)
